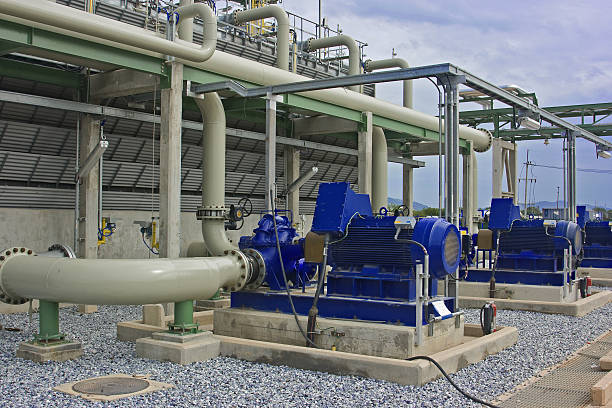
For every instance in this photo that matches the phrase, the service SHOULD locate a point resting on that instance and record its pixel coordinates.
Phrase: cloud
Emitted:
(559, 49)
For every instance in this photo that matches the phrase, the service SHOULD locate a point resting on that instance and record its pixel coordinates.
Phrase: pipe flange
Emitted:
(366, 66)
(235, 18)
(244, 275)
(211, 213)
(258, 262)
(309, 44)
(64, 249)
(5, 256)
(488, 146)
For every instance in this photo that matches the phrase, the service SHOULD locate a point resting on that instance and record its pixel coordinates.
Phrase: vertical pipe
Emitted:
(564, 180)
(448, 152)
(48, 314)
(100, 179)
(441, 106)
(270, 149)
(76, 186)
(185, 29)
(455, 135)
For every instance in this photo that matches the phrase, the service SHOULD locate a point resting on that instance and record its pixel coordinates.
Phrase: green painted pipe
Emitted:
(48, 313)
(183, 313)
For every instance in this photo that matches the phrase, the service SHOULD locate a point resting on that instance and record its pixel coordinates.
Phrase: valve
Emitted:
(107, 229)
(234, 219)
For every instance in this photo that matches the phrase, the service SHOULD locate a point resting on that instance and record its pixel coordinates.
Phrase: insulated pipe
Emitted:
(282, 30)
(118, 281)
(209, 33)
(354, 68)
(213, 174)
(232, 66)
(379, 169)
(393, 63)
(68, 18)
(185, 25)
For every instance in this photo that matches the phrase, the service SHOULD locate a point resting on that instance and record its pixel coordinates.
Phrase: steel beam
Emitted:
(270, 151)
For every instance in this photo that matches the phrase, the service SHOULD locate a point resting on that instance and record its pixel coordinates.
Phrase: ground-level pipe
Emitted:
(314, 44)
(212, 211)
(79, 21)
(119, 281)
(249, 71)
(282, 29)
(371, 65)
(379, 169)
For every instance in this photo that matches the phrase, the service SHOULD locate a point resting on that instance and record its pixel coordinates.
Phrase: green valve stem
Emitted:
(183, 318)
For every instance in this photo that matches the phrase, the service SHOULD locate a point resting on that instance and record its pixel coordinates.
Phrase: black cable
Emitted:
(465, 394)
(280, 258)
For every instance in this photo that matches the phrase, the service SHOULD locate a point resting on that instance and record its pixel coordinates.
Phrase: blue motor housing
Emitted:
(368, 262)
(598, 244)
(443, 244)
(264, 242)
(572, 232)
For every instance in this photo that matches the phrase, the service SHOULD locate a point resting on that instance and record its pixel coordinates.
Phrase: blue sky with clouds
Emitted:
(559, 49)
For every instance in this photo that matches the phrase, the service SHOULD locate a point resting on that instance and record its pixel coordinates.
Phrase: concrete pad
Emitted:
(87, 309)
(579, 308)
(153, 386)
(181, 349)
(351, 336)
(603, 273)
(601, 392)
(520, 291)
(211, 304)
(57, 352)
(389, 369)
(136, 329)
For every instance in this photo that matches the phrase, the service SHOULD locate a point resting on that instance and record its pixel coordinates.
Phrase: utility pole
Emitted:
(527, 179)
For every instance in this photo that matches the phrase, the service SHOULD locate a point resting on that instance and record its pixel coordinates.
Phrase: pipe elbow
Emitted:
(483, 147)
(371, 65)
(209, 34)
(271, 11)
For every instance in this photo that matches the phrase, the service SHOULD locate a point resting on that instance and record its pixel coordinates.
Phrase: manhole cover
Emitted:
(110, 386)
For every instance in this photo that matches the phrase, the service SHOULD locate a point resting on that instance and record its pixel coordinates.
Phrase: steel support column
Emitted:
(270, 153)
(408, 186)
(292, 172)
(364, 162)
(170, 164)
(571, 175)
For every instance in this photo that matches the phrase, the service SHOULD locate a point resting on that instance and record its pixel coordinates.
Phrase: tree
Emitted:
(603, 213)
(534, 211)
(427, 212)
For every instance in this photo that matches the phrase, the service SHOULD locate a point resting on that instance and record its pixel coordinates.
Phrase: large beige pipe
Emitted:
(371, 65)
(347, 41)
(379, 169)
(118, 281)
(71, 19)
(213, 174)
(240, 68)
(282, 30)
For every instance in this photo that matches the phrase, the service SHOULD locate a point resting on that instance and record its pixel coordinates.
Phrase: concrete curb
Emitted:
(601, 392)
(381, 368)
(579, 308)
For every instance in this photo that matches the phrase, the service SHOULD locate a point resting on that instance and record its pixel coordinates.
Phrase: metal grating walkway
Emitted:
(567, 386)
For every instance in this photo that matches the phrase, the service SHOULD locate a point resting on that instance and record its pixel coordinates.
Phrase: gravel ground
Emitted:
(224, 382)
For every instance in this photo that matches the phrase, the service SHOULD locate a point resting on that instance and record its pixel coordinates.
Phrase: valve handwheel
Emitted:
(246, 205)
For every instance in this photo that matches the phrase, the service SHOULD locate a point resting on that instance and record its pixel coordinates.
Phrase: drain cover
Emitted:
(110, 386)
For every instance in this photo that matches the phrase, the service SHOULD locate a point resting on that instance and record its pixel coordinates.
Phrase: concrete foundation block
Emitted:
(211, 304)
(605, 363)
(359, 337)
(57, 352)
(136, 329)
(154, 315)
(601, 392)
(179, 349)
(521, 292)
(87, 309)
(389, 369)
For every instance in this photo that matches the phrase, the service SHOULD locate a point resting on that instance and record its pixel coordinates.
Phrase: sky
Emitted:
(559, 49)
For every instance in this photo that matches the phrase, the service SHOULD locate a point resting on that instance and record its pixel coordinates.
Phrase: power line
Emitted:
(599, 171)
